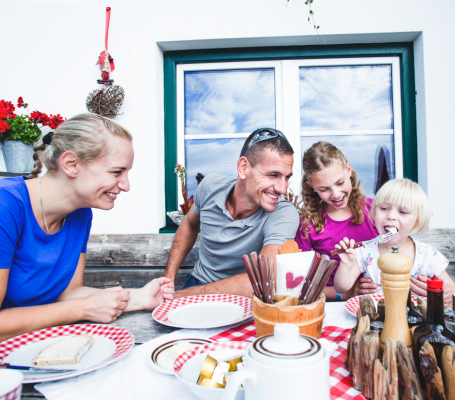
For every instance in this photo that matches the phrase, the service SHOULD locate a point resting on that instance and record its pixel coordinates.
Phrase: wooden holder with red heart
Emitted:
(308, 317)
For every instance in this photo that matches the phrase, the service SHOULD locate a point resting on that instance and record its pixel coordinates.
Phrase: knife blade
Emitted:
(35, 369)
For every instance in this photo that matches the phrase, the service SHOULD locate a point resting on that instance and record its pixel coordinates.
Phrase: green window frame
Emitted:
(171, 58)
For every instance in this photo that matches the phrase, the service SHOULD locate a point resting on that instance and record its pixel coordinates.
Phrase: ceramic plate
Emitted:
(161, 360)
(353, 304)
(204, 311)
(110, 344)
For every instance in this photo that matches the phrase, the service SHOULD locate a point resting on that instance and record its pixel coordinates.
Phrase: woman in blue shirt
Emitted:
(45, 225)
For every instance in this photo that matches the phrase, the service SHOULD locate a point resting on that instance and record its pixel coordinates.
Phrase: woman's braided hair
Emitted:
(85, 135)
(319, 156)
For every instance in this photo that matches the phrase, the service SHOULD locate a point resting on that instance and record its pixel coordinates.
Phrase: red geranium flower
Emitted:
(20, 101)
(3, 126)
(55, 121)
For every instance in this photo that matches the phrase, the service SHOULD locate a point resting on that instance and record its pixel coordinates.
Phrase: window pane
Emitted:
(370, 156)
(230, 101)
(210, 156)
(345, 98)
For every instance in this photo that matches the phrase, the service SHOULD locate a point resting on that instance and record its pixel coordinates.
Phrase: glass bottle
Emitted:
(434, 330)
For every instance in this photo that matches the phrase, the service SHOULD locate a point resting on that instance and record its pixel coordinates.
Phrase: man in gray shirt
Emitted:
(236, 216)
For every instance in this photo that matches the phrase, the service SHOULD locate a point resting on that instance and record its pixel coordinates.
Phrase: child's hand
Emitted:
(419, 285)
(351, 255)
(157, 291)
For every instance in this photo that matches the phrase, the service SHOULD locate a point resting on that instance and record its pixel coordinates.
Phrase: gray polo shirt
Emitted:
(224, 241)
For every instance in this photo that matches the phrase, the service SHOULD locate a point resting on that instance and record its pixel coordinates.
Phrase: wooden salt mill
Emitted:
(396, 283)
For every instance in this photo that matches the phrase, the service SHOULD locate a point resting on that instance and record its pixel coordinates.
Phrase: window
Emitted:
(356, 103)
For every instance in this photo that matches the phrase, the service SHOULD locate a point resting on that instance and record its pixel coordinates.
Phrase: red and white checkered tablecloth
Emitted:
(340, 380)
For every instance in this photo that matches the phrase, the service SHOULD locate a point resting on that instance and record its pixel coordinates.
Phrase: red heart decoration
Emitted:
(292, 283)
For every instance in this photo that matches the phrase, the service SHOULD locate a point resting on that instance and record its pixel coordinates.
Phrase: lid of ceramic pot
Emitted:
(288, 343)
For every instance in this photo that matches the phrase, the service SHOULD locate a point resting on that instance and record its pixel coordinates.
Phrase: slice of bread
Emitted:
(64, 351)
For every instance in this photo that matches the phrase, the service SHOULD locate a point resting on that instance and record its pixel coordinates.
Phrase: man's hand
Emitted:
(157, 292)
(361, 287)
(419, 288)
(106, 305)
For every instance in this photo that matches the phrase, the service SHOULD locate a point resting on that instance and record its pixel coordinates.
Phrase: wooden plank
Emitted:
(152, 250)
(442, 240)
(134, 250)
(129, 277)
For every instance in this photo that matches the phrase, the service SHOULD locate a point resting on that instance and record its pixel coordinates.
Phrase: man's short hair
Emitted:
(255, 154)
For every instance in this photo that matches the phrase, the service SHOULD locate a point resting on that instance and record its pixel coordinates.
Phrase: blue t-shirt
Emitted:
(41, 266)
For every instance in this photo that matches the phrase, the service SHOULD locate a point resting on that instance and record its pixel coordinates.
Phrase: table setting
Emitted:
(230, 347)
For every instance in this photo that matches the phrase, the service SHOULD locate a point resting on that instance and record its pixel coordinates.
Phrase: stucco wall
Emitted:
(49, 48)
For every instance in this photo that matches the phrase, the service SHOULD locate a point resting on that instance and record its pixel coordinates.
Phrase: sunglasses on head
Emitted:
(260, 135)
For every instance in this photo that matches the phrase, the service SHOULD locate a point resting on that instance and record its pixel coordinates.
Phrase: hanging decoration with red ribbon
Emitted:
(108, 100)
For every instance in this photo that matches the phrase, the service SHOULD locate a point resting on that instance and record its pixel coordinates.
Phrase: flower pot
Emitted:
(18, 156)
(176, 217)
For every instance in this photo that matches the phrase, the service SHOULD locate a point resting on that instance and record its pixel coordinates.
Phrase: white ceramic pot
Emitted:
(285, 365)
(10, 384)
(176, 217)
(18, 156)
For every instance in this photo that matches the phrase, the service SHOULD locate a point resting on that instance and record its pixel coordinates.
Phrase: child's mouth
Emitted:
(392, 229)
(339, 201)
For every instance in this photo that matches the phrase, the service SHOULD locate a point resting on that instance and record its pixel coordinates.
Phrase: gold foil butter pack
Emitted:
(215, 374)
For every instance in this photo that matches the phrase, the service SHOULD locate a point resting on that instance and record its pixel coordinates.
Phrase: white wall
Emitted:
(51, 48)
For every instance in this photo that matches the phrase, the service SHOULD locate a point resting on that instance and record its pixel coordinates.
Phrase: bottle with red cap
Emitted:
(433, 330)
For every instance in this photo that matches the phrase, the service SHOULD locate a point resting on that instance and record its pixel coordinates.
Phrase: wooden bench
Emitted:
(132, 260)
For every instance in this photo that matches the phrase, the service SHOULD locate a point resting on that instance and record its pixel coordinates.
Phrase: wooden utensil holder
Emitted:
(307, 317)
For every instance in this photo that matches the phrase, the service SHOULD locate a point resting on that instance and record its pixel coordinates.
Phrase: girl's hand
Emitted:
(419, 286)
(106, 305)
(157, 292)
(351, 255)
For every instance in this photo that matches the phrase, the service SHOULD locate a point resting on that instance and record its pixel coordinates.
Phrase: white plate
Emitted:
(161, 360)
(205, 315)
(204, 311)
(109, 344)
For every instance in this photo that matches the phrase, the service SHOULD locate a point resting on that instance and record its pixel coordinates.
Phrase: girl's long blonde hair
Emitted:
(319, 156)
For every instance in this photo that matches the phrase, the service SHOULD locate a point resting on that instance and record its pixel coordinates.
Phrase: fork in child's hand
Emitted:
(379, 239)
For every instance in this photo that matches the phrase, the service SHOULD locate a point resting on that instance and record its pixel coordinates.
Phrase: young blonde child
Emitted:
(401, 204)
(333, 207)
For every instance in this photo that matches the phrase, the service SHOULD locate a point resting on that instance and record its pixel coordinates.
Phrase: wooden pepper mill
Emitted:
(396, 283)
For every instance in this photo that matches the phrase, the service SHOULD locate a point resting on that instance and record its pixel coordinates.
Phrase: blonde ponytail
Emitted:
(85, 135)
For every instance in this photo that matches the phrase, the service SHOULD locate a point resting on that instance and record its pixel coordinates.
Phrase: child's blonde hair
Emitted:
(408, 194)
(319, 156)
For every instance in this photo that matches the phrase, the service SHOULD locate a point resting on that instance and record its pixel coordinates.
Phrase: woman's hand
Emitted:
(157, 292)
(106, 305)
(351, 255)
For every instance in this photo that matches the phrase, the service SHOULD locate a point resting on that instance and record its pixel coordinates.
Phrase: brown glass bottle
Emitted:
(434, 330)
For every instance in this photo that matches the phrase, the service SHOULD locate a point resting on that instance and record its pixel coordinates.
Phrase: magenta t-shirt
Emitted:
(335, 231)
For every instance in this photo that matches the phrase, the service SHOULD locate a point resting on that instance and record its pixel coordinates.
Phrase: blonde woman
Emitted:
(400, 204)
(45, 225)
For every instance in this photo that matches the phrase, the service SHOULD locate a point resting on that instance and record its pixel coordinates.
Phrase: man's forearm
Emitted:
(238, 284)
(183, 242)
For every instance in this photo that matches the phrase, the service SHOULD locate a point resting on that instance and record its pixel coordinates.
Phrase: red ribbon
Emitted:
(105, 52)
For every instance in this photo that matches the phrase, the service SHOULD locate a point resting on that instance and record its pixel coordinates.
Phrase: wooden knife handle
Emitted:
(5, 365)
(254, 264)
(339, 251)
(249, 270)
(266, 293)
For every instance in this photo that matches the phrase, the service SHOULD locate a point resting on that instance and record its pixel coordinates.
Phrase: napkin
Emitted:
(131, 377)
(291, 272)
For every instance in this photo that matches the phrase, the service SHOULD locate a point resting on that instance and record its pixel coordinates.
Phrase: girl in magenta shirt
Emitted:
(334, 207)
